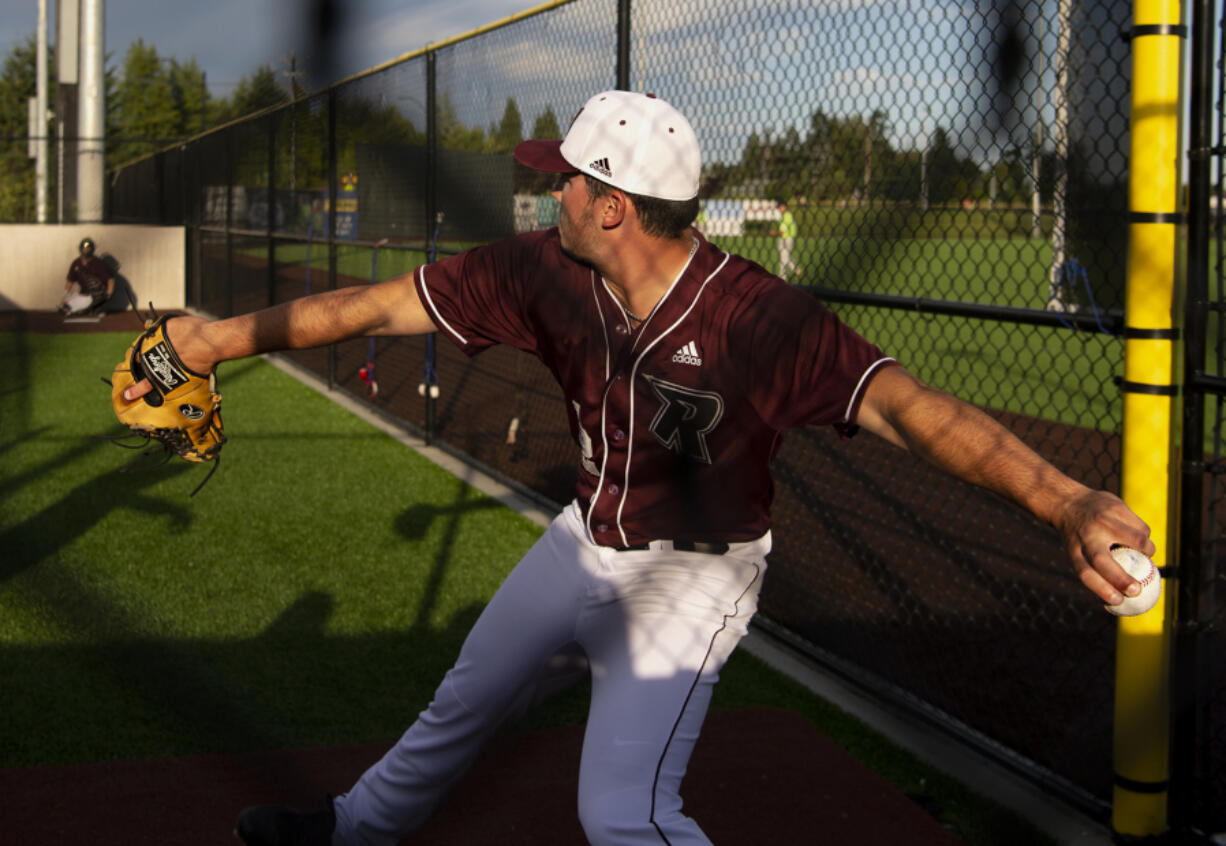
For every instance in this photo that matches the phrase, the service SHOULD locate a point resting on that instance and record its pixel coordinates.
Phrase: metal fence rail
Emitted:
(1199, 735)
(968, 220)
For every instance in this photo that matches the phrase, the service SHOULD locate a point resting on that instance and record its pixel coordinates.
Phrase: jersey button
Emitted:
(614, 489)
(621, 329)
(619, 435)
(603, 527)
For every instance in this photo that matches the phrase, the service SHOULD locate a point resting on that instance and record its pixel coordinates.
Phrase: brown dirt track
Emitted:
(757, 777)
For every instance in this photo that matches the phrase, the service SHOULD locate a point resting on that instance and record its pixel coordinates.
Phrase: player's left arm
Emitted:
(962, 440)
(106, 275)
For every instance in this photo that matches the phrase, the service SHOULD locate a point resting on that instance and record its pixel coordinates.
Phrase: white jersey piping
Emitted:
(855, 395)
(621, 505)
(438, 318)
(608, 366)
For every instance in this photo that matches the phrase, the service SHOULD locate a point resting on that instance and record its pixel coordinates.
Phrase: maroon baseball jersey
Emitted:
(91, 273)
(677, 420)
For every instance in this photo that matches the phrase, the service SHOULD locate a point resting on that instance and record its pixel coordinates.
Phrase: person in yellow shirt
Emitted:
(787, 240)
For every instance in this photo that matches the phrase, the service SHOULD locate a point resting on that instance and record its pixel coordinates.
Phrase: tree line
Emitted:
(151, 102)
(850, 160)
(154, 102)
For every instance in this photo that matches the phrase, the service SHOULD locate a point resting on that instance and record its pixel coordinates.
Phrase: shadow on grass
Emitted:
(99, 681)
(118, 692)
(6, 446)
(41, 536)
(125, 694)
(417, 520)
(133, 696)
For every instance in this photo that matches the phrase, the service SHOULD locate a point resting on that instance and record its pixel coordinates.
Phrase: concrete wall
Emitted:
(35, 260)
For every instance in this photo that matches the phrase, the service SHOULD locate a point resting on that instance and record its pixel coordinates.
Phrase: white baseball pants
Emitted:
(77, 303)
(656, 626)
(786, 265)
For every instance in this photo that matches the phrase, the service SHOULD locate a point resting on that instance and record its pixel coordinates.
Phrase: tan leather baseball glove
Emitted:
(182, 412)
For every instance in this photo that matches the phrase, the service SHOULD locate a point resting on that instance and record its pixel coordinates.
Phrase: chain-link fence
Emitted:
(950, 178)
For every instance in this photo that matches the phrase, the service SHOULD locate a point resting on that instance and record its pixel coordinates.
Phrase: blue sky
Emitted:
(231, 38)
(747, 66)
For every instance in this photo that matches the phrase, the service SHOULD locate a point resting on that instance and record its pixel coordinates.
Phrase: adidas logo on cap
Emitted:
(601, 166)
(688, 355)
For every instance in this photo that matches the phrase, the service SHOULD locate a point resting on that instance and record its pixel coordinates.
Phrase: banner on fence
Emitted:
(346, 208)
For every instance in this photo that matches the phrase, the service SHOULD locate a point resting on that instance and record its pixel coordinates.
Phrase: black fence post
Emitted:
(623, 45)
(1190, 717)
(197, 202)
(159, 180)
(333, 185)
(187, 194)
(431, 211)
(272, 209)
(231, 139)
(184, 203)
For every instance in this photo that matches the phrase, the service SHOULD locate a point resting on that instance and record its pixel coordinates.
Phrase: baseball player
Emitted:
(92, 279)
(786, 231)
(681, 366)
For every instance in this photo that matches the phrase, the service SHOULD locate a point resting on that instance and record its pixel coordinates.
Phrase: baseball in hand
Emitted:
(1137, 565)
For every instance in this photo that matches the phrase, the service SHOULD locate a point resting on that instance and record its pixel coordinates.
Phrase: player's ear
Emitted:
(613, 208)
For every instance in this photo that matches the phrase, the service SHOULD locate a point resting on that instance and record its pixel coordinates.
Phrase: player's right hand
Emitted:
(185, 333)
(1090, 524)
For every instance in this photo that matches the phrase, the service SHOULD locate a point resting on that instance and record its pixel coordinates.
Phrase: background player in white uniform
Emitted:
(680, 365)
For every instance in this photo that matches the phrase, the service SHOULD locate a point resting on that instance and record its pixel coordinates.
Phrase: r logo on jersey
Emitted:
(585, 444)
(685, 418)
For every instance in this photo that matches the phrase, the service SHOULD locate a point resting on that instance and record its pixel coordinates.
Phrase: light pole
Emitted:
(91, 113)
(39, 128)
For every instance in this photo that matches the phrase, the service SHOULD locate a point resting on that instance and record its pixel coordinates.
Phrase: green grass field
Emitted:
(313, 593)
(353, 260)
(1051, 373)
(998, 271)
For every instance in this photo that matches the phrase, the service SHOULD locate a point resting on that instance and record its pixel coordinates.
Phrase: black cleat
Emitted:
(273, 825)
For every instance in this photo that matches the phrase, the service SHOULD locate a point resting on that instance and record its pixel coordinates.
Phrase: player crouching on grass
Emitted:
(681, 365)
(92, 280)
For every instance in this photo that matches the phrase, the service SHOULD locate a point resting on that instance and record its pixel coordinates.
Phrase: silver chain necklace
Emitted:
(626, 309)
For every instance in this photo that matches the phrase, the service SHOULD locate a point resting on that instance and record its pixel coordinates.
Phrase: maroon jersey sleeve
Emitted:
(805, 365)
(481, 297)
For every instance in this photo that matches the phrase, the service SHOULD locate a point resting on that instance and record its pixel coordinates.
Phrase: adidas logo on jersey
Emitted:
(688, 355)
(601, 166)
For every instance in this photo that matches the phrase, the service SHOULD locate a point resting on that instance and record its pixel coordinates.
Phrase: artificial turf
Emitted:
(312, 593)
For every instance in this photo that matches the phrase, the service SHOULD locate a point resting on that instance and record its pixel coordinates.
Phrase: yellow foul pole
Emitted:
(1151, 412)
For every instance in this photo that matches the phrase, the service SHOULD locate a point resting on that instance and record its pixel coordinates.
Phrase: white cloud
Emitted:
(391, 31)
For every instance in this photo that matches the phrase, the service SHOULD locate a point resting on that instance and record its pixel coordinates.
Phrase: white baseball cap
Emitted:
(635, 142)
